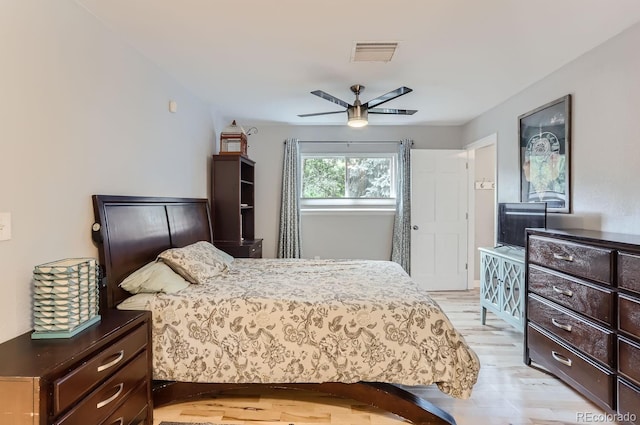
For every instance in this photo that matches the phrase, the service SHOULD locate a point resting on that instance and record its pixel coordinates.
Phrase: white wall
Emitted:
(353, 235)
(605, 151)
(81, 113)
(484, 203)
(371, 238)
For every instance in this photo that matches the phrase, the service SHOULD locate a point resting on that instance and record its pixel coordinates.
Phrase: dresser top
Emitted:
(621, 240)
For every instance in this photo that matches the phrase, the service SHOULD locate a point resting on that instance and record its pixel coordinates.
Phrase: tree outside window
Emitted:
(347, 177)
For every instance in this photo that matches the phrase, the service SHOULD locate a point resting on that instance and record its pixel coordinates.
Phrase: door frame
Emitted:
(489, 140)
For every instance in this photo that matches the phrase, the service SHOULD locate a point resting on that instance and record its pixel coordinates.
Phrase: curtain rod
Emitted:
(351, 142)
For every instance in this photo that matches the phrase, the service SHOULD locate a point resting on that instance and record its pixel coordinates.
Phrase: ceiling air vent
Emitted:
(373, 51)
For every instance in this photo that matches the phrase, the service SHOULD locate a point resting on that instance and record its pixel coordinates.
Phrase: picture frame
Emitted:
(544, 135)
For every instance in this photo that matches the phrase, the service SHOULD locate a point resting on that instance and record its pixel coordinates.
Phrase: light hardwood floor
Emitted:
(507, 391)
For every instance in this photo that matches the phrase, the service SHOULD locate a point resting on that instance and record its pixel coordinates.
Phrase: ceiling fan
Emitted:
(357, 113)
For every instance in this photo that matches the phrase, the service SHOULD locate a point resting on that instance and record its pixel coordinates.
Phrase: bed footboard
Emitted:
(388, 397)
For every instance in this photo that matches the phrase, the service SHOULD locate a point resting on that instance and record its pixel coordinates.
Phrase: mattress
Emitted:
(308, 321)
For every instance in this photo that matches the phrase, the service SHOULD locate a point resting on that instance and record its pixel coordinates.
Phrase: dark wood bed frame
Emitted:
(132, 231)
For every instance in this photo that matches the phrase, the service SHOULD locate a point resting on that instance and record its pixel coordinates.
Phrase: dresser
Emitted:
(583, 314)
(502, 284)
(100, 376)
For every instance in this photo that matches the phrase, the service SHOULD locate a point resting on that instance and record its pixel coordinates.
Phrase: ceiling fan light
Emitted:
(357, 116)
(357, 122)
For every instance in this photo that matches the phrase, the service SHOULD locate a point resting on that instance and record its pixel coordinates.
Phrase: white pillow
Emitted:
(197, 262)
(152, 278)
(136, 302)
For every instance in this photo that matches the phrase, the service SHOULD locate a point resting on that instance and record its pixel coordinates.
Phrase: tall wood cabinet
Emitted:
(233, 205)
(583, 314)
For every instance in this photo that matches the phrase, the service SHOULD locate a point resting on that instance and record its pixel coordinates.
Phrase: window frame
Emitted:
(382, 204)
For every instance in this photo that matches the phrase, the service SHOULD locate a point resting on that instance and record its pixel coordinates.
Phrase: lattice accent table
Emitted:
(502, 284)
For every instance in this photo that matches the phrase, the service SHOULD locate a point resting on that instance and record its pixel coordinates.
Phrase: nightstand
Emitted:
(102, 375)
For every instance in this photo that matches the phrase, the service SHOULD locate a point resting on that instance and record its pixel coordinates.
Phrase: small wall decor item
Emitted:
(233, 140)
(545, 136)
(65, 298)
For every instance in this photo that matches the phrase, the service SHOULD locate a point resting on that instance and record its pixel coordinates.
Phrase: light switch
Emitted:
(5, 226)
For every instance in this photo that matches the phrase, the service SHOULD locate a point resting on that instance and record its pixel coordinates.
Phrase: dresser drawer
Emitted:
(98, 405)
(576, 259)
(588, 299)
(594, 340)
(594, 381)
(133, 411)
(629, 315)
(629, 272)
(78, 382)
(628, 406)
(629, 359)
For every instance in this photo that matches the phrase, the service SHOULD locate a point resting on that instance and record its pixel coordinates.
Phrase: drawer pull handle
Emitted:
(560, 325)
(563, 257)
(119, 421)
(560, 358)
(566, 292)
(103, 403)
(113, 362)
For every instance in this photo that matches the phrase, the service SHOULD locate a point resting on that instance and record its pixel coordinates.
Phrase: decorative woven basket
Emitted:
(65, 298)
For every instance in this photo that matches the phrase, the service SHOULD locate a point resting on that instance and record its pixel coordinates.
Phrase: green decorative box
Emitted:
(65, 298)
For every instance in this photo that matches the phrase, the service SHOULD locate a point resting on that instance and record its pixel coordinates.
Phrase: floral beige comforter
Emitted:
(284, 321)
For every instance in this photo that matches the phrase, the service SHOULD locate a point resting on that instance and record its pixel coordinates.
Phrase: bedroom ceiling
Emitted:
(257, 61)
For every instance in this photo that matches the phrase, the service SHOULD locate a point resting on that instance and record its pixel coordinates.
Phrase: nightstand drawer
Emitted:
(595, 341)
(78, 382)
(134, 409)
(99, 405)
(588, 299)
(580, 260)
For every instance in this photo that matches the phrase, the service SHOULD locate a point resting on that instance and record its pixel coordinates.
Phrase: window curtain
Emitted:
(289, 238)
(401, 245)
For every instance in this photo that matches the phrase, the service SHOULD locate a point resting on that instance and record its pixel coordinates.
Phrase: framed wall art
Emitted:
(545, 136)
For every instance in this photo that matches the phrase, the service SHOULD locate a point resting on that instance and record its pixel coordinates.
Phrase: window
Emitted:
(348, 180)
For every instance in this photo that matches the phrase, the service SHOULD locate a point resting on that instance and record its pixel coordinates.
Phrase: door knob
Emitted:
(415, 227)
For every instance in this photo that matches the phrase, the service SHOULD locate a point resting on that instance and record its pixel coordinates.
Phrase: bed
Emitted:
(356, 329)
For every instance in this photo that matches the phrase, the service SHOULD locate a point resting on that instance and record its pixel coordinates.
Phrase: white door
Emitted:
(439, 219)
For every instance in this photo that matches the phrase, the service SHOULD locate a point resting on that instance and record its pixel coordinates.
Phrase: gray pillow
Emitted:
(152, 278)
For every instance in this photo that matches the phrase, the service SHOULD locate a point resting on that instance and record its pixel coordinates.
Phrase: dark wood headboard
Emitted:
(131, 231)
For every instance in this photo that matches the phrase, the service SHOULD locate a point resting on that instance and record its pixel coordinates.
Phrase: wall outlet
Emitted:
(5, 226)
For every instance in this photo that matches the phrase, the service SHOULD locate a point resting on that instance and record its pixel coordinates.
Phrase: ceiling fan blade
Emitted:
(320, 113)
(392, 111)
(388, 96)
(330, 98)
